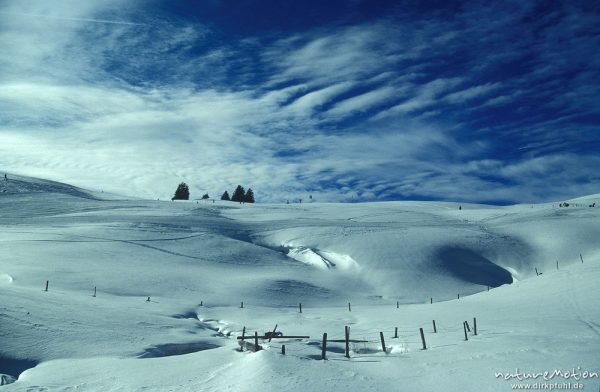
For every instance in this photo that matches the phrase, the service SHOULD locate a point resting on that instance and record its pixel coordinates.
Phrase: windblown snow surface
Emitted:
(197, 262)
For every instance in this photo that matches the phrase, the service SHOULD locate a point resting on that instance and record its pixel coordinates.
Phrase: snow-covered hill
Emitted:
(198, 261)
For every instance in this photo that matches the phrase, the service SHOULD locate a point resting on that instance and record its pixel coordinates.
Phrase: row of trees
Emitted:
(240, 195)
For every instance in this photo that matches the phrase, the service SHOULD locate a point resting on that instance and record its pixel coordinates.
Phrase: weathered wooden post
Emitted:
(467, 325)
(47, 285)
(423, 339)
(300, 306)
(273, 333)
(347, 333)
(434, 328)
(201, 303)
(242, 305)
(465, 329)
(458, 296)
(324, 347)
(283, 349)
(431, 300)
(255, 341)
(94, 292)
(382, 342)
(396, 332)
(349, 307)
(557, 265)
(474, 326)
(397, 304)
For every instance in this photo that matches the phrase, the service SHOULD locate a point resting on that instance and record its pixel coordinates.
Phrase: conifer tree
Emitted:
(238, 194)
(225, 196)
(205, 196)
(182, 192)
(249, 196)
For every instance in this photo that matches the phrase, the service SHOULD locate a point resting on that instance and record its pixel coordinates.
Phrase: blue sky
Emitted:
(493, 102)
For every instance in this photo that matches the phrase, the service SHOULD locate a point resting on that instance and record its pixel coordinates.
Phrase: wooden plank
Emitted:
(273, 333)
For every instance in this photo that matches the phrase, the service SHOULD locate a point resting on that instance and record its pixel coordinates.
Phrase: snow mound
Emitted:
(324, 260)
(26, 185)
(5, 279)
(172, 349)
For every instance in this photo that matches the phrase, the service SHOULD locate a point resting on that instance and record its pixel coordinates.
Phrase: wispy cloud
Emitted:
(468, 107)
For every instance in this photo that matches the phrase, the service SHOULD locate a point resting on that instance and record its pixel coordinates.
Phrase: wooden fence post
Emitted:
(273, 333)
(201, 303)
(431, 300)
(148, 300)
(465, 329)
(324, 347)
(423, 338)
(468, 327)
(255, 341)
(349, 307)
(94, 292)
(581, 257)
(382, 342)
(458, 296)
(434, 328)
(283, 349)
(47, 285)
(474, 326)
(557, 265)
(397, 304)
(300, 306)
(536, 272)
(242, 305)
(347, 333)
(396, 332)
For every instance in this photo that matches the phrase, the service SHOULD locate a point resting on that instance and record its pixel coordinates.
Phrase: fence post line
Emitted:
(474, 326)
(465, 329)
(324, 347)
(434, 328)
(382, 342)
(423, 338)
(347, 333)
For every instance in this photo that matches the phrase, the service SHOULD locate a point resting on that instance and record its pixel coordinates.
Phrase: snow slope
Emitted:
(388, 259)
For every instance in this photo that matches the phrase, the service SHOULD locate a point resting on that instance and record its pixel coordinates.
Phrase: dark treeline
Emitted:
(240, 194)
